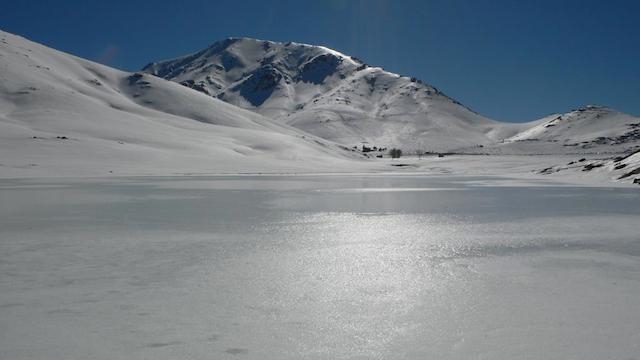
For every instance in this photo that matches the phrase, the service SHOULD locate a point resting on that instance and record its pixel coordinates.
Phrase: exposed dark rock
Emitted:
(590, 167)
(260, 85)
(635, 171)
(133, 78)
(200, 86)
(319, 68)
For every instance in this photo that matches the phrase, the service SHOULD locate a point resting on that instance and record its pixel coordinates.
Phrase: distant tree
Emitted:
(419, 153)
(395, 153)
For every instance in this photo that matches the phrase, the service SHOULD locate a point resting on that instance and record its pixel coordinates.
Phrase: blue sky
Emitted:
(508, 60)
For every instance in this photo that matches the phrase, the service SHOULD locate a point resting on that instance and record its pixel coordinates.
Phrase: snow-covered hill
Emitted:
(585, 127)
(588, 130)
(60, 114)
(332, 95)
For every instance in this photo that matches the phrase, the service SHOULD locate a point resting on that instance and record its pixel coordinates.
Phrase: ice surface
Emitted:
(291, 267)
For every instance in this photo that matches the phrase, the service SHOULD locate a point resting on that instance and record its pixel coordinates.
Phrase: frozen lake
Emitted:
(324, 267)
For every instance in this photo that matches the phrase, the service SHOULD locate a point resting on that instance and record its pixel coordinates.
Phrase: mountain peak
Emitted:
(248, 54)
(340, 98)
(309, 86)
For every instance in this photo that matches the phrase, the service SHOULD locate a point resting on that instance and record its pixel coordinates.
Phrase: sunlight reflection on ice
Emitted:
(290, 268)
(375, 190)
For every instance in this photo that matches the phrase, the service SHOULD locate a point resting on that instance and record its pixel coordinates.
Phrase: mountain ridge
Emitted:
(329, 94)
(224, 43)
(341, 98)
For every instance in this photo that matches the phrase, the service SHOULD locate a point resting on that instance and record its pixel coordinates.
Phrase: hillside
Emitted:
(587, 130)
(60, 114)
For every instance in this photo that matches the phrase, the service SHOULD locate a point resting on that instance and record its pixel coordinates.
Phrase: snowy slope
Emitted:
(586, 127)
(620, 168)
(331, 95)
(588, 130)
(60, 114)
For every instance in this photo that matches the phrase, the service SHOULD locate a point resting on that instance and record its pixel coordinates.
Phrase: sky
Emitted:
(509, 60)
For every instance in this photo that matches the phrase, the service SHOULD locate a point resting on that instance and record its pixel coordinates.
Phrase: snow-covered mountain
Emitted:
(60, 114)
(331, 95)
(340, 98)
